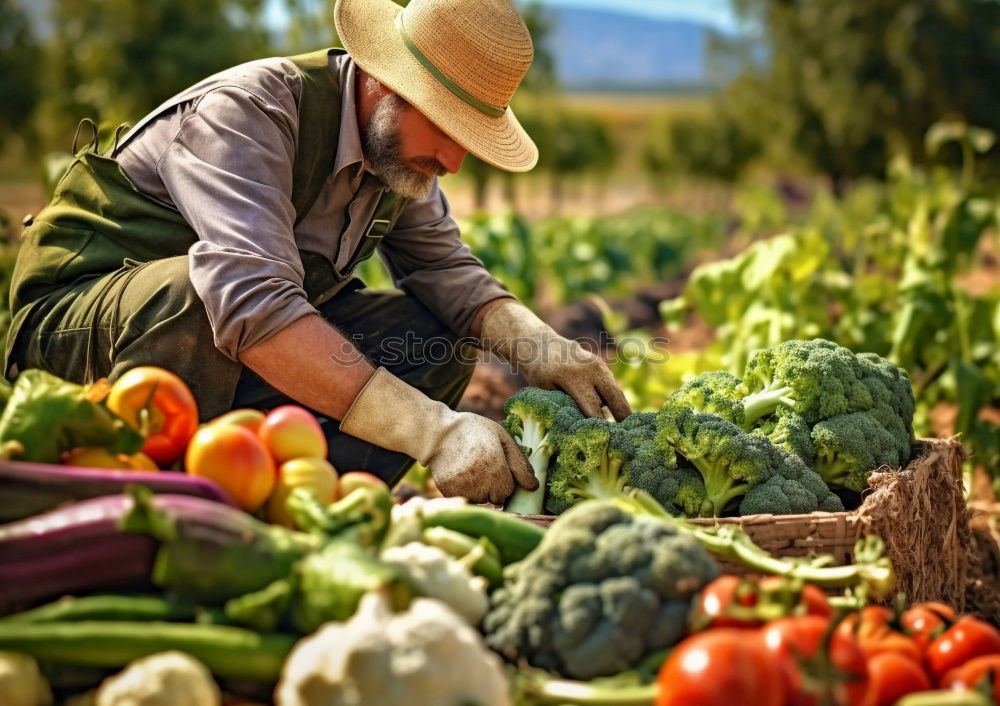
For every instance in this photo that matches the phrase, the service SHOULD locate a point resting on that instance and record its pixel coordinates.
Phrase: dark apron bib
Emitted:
(98, 222)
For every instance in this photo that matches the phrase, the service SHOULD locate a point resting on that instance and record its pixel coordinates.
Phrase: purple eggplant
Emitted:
(27, 489)
(79, 547)
(203, 550)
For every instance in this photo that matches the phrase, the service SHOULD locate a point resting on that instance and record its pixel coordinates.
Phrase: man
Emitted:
(218, 236)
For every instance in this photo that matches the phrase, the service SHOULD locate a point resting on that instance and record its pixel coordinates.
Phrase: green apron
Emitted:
(99, 230)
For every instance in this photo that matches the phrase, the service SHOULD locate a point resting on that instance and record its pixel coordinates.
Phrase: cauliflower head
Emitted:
(164, 679)
(21, 682)
(436, 574)
(426, 655)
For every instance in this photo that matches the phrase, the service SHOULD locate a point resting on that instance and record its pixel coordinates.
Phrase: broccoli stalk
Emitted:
(766, 399)
(530, 415)
(871, 571)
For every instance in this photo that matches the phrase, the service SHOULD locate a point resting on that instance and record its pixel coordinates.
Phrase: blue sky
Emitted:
(716, 13)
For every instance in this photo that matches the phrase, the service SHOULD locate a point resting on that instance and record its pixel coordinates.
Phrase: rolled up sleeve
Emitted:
(229, 173)
(426, 257)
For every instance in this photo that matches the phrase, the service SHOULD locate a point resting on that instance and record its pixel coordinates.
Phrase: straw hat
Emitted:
(457, 61)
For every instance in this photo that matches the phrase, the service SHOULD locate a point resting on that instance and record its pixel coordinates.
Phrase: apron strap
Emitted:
(86, 122)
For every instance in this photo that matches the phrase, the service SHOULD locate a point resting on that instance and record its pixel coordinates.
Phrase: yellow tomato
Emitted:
(314, 474)
(94, 457)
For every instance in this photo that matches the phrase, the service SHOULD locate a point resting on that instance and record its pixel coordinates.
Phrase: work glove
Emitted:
(550, 361)
(467, 454)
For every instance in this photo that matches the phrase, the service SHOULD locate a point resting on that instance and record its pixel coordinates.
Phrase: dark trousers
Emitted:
(149, 314)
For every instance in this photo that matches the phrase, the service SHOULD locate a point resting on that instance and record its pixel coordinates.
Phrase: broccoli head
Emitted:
(533, 417)
(592, 457)
(850, 446)
(604, 589)
(898, 392)
(794, 488)
(679, 489)
(530, 413)
(716, 392)
(589, 463)
(730, 460)
(816, 379)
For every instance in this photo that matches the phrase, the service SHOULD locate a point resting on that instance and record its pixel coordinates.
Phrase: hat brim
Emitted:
(368, 33)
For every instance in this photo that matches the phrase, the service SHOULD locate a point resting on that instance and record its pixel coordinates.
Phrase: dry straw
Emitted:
(457, 61)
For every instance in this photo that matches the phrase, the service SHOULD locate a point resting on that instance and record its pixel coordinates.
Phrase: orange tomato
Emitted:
(159, 404)
(233, 457)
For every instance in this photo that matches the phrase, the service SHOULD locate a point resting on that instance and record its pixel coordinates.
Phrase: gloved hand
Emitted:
(467, 454)
(548, 360)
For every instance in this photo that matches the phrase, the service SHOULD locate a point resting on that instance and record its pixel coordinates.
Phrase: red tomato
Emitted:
(893, 675)
(973, 673)
(722, 598)
(720, 668)
(795, 644)
(968, 638)
(236, 459)
(160, 404)
(871, 626)
(925, 621)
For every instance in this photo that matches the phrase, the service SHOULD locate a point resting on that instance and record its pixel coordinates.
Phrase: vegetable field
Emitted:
(776, 222)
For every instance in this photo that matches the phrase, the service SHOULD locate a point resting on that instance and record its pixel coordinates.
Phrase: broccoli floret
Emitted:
(592, 457)
(897, 385)
(892, 397)
(849, 447)
(816, 379)
(717, 393)
(793, 489)
(789, 431)
(679, 489)
(729, 459)
(589, 463)
(530, 415)
(604, 589)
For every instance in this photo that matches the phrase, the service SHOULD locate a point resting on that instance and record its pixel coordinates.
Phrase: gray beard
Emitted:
(383, 152)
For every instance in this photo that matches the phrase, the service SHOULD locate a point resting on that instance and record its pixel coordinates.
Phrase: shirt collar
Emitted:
(349, 142)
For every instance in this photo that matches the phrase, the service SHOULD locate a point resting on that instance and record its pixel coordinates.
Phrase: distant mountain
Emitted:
(601, 50)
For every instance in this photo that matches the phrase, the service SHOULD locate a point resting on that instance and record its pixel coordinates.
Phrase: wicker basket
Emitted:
(918, 511)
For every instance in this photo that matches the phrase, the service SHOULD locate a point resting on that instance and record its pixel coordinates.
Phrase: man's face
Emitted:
(406, 150)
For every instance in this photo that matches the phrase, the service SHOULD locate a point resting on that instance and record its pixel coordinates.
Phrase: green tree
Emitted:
(843, 84)
(117, 59)
(711, 145)
(19, 71)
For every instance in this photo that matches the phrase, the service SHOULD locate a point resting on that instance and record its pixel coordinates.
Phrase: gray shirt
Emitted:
(222, 154)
